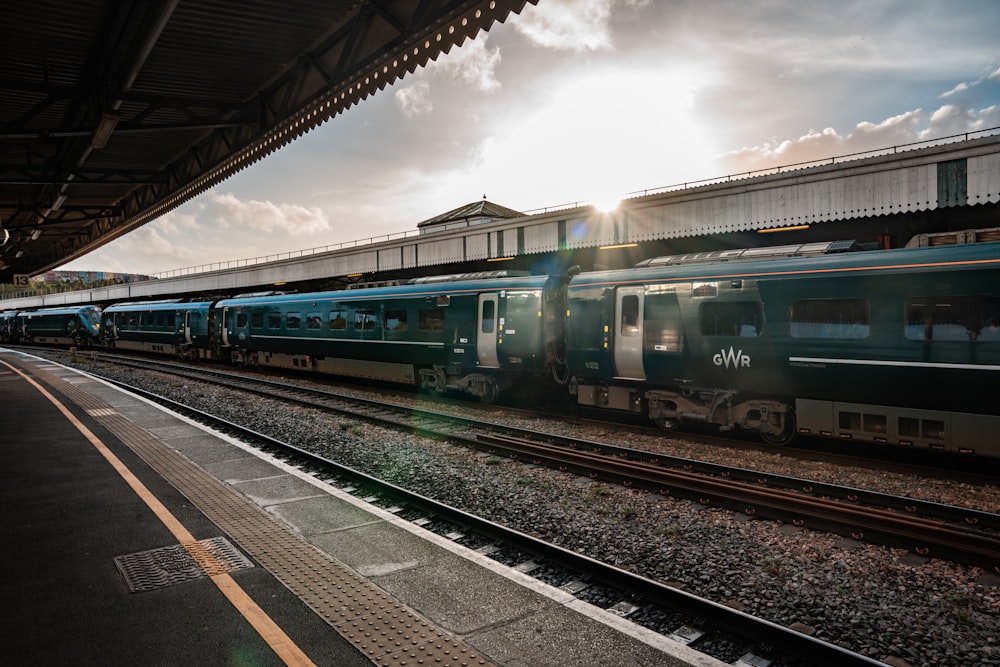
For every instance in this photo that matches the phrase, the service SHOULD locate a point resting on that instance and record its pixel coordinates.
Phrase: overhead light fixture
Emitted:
(105, 127)
(35, 234)
(499, 259)
(617, 245)
(19, 254)
(4, 236)
(57, 204)
(793, 228)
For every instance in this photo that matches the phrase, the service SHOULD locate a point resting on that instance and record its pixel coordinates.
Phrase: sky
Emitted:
(586, 101)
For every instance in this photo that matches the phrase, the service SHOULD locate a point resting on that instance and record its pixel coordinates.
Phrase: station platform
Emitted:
(132, 535)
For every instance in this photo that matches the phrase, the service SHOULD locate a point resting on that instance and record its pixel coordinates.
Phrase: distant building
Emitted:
(477, 213)
(89, 277)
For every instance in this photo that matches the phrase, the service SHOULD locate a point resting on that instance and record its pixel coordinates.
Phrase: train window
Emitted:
(630, 315)
(430, 319)
(489, 316)
(364, 320)
(662, 324)
(293, 320)
(257, 319)
(850, 421)
(990, 313)
(338, 319)
(159, 319)
(830, 318)
(314, 321)
(875, 423)
(908, 427)
(274, 320)
(241, 319)
(943, 318)
(395, 320)
(731, 318)
(171, 319)
(933, 429)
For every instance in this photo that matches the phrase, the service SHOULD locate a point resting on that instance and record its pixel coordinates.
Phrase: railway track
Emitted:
(635, 605)
(695, 619)
(926, 528)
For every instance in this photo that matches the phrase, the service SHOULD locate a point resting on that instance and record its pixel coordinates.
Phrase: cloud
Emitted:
(957, 89)
(472, 63)
(415, 99)
(568, 25)
(900, 130)
(229, 211)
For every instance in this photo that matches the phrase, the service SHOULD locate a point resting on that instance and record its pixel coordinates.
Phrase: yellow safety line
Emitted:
(269, 631)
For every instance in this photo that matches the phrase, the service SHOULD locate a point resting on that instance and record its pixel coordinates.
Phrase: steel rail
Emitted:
(754, 630)
(926, 537)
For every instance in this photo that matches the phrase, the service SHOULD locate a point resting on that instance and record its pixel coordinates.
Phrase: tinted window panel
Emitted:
(737, 318)
(489, 317)
(953, 318)
(364, 320)
(338, 319)
(395, 320)
(847, 319)
(430, 319)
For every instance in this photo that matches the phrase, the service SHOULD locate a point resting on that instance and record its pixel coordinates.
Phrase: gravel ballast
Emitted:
(882, 602)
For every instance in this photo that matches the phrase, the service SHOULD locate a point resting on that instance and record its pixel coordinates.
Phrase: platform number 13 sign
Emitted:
(21, 279)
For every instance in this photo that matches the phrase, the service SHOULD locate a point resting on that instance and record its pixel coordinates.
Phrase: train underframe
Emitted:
(437, 379)
(773, 419)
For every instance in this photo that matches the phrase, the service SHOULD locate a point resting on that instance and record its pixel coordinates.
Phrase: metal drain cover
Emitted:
(149, 570)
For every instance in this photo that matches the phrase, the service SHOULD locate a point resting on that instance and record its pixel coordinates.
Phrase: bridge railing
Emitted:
(251, 261)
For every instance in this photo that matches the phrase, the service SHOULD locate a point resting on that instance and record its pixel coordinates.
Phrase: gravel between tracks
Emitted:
(878, 601)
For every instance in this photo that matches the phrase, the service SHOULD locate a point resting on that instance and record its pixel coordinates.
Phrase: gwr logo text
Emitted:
(731, 358)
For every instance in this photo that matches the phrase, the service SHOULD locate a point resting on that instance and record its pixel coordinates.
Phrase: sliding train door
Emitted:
(627, 337)
(487, 325)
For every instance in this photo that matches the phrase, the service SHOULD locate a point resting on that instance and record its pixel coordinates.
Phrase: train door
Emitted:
(187, 327)
(628, 333)
(225, 327)
(486, 335)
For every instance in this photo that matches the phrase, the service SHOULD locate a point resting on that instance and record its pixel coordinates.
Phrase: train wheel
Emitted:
(490, 392)
(787, 434)
(667, 424)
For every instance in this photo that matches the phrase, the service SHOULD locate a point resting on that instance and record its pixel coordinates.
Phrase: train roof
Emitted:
(455, 286)
(771, 263)
(60, 310)
(168, 304)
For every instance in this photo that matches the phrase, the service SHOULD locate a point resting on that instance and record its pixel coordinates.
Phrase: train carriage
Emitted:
(7, 325)
(71, 325)
(474, 333)
(167, 327)
(895, 346)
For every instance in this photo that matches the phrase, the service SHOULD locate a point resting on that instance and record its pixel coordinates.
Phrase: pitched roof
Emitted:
(479, 209)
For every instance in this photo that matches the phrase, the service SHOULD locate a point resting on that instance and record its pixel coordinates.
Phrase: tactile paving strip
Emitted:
(156, 568)
(382, 628)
